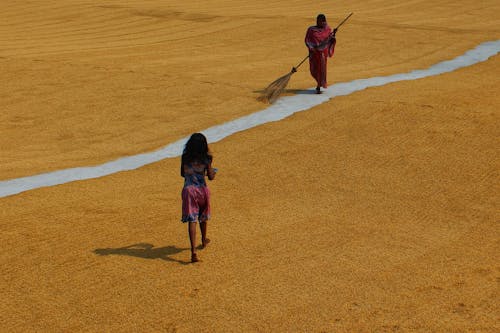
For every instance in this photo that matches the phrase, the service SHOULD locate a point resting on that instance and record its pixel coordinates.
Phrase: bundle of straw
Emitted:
(274, 90)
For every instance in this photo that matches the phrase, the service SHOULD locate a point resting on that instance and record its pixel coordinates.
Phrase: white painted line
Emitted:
(284, 107)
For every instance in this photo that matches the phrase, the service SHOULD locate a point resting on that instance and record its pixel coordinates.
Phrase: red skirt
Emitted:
(195, 204)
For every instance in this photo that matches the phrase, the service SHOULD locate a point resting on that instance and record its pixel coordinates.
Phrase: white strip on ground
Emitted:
(284, 107)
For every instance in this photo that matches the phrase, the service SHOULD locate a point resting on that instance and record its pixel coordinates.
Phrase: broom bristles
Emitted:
(273, 91)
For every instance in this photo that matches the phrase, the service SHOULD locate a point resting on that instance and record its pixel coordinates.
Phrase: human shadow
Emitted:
(300, 91)
(290, 92)
(145, 251)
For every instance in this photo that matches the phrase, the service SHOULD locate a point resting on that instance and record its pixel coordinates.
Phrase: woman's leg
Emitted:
(204, 239)
(192, 239)
(204, 216)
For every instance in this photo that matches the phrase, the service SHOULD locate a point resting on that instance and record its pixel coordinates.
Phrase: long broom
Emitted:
(274, 90)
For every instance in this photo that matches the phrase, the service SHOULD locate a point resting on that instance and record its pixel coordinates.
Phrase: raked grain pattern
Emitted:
(374, 212)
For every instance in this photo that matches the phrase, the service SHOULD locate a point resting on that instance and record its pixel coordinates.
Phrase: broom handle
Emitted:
(307, 57)
(343, 21)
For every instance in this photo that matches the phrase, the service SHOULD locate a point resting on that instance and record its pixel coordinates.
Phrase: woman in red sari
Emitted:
(320, 40)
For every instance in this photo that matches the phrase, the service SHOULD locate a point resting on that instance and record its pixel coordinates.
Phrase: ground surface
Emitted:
(374, 212)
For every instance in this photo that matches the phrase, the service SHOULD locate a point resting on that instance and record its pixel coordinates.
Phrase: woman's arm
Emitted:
(328, 41)
(211, 172)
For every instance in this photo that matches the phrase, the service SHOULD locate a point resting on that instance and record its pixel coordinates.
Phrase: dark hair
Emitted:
(196, 148)
(321, 17)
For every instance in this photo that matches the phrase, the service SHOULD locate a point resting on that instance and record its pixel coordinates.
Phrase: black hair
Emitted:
(321, 17)
(196, 149)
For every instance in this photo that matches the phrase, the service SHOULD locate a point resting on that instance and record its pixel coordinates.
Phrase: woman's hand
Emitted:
(211, 172)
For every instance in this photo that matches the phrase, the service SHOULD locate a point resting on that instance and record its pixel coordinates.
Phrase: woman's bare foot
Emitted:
(194, 257)
(205, 243)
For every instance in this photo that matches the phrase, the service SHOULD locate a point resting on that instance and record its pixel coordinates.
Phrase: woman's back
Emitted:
(193, 169)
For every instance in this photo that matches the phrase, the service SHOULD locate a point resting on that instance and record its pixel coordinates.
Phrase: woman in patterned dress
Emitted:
(196, 163)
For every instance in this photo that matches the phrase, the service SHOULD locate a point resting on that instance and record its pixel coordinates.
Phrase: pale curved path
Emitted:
(373, 212)
(283, 108)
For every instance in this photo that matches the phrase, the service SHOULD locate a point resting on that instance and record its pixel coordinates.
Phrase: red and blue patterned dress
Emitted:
(195, 193)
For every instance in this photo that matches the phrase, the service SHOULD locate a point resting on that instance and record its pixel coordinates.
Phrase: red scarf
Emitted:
(316, 35)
